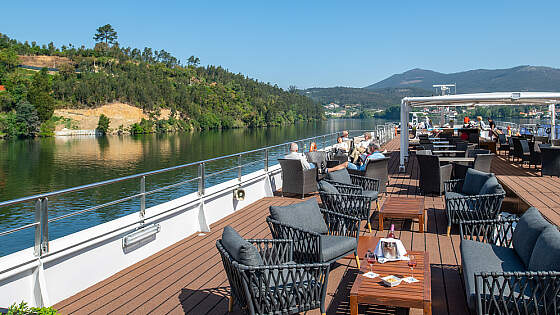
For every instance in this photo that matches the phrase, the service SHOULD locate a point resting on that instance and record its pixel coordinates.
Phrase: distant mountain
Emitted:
(522, 78)
(378, 98)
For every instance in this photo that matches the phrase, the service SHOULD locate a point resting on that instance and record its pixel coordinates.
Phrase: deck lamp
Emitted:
(140, 234)
(239, 194)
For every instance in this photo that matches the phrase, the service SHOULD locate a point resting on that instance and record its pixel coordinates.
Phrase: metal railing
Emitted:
(382, 133)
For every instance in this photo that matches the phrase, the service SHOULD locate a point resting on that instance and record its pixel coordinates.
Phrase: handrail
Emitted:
(383, 133)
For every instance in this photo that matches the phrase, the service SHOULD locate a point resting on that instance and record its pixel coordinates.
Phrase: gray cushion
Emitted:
(305, 215)
(240, 250)
(546, 255)
(474, 180)
(491, 186)
(526, 233)
(370, 193)
(335, 246)
(452, 194)
(327, 187)
(482, 257)
(340, 176)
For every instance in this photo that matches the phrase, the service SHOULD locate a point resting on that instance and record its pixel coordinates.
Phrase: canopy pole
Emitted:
(552, 108)
(404, 135)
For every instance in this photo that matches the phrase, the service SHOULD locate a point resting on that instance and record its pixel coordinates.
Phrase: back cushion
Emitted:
(491, 186)
(474, 180)
(240, 250)
(526, 233)
(546, 255)
(304, 215)
(327, 187)
(340, 176)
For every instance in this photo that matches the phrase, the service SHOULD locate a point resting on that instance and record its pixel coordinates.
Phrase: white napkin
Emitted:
(371, 275)
(410, 280)
(401, 251)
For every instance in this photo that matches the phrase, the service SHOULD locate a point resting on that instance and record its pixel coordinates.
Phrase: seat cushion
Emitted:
(452, 195)
(370, 193)
(491, 186)
(305, 215)
(474, 180)
(526, 233)
(335, 246)
(482, 257)
(240, 250)
(340, 176)
(546, 255)
(327, 187)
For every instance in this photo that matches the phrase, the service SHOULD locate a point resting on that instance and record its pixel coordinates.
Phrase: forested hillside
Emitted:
(379, 98)
(199, 97)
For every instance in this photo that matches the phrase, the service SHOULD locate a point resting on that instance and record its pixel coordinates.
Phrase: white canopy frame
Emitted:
(478, 99)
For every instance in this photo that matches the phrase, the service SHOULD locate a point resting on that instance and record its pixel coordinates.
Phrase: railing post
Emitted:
(266, 160)
(239, 172)
(45, 226)
(143, 198)
(201, 179)
(37, 247)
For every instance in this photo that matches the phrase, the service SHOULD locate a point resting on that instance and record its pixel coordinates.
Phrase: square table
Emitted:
(409, 295)
(403, 208)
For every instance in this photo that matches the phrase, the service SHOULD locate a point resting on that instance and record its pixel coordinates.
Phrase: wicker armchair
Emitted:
(338, 238)
(295, 179)
(279, 286)
(368, 185)
(498, 280)
(349, 200)
(550, 161)
(378, 169)
(481, 200)
(482, 162)
(504, 144)
(432, 175)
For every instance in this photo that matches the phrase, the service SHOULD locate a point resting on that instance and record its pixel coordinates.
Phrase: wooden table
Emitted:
(444, 146)
(440, 142)
(408, 295)
(403, 208)
(455, 159)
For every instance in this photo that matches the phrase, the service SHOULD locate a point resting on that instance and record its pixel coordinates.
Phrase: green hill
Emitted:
(369, 98)
(205, 97)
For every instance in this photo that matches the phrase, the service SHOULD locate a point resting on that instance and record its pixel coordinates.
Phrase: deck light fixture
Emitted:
(239, 194)
(140, 234)
(515, 96)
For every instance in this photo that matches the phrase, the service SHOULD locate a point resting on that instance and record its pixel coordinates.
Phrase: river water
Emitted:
(30, 167)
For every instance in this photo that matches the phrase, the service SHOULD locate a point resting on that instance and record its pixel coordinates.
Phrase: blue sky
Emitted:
(309, 43)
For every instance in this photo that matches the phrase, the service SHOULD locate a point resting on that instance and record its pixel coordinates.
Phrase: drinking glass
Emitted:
(412, 264)
(370, 257)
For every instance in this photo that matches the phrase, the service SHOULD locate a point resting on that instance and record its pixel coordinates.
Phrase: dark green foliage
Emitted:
(144, 126)
(103, 124)
(392, 112)
(106, 33)
(39, 95)
(21, 122)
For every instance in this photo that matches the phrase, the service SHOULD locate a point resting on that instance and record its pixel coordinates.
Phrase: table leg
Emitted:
(421, 222)
(354, 305)
(427, 308)
(380, 228)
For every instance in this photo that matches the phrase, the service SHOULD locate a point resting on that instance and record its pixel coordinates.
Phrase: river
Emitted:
(29, 167)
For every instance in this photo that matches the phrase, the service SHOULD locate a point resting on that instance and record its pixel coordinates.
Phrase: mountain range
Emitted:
(418, 82)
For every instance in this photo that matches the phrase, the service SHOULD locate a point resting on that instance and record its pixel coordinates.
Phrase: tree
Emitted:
(106, 33)
(8, 60)
(40, 96)
(27, 121)
(193, 61)
(103, 124)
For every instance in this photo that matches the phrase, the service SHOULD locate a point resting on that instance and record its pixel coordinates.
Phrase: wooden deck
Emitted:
(188, 277)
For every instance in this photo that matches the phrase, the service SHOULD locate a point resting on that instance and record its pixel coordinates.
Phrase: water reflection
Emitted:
(29, 167)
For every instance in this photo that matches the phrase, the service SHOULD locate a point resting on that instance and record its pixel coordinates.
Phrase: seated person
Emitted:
(294, 155)
(373, 152)
(340, 145)
(360, 147)
(345, 135)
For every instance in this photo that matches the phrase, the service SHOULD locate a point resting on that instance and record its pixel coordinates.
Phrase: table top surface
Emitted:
(403, 205)
(456, 159)
(405, 294)
(448, 151)
(444, 146)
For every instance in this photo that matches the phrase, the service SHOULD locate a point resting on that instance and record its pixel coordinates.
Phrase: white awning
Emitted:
(476, 99)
